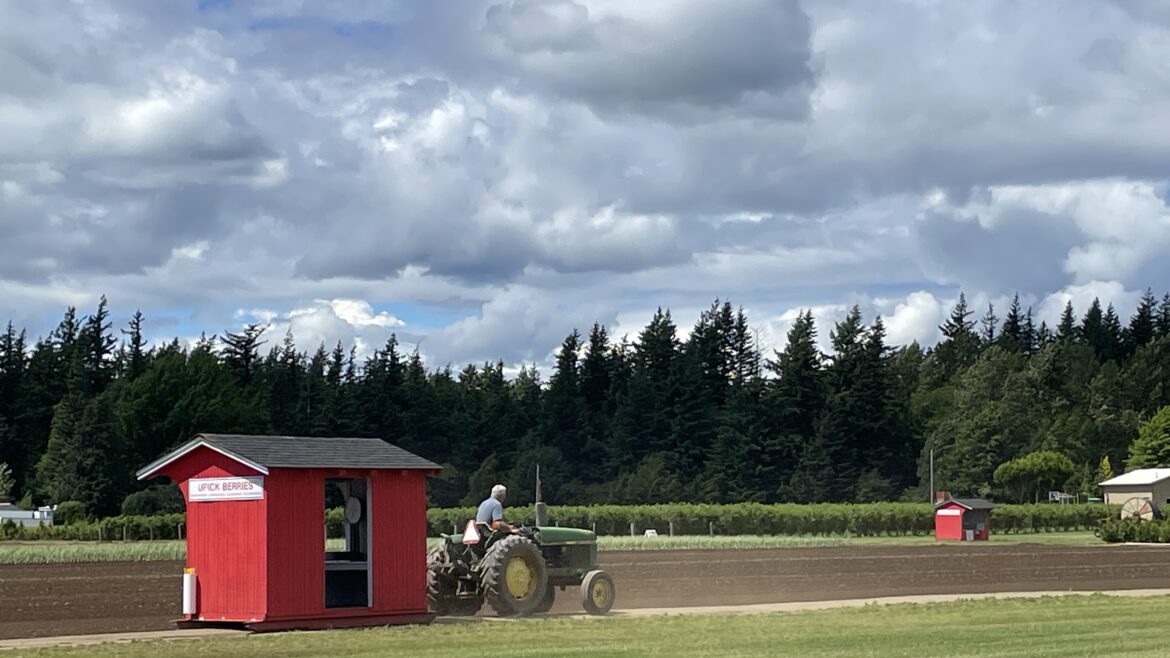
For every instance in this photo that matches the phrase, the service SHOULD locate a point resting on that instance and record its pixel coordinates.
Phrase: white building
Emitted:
(1151, 483)
(30, 519)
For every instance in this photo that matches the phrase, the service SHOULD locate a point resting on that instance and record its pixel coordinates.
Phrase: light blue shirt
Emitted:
(490, 510)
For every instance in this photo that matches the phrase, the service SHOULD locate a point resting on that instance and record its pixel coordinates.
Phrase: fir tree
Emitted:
(134, 363)
(988, 324)
(242, 352)
(1142, 327)
(1067, 331)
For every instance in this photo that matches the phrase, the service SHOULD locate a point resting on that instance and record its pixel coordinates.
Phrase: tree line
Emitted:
(651, 419)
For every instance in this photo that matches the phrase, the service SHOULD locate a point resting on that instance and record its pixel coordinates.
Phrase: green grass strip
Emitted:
(1092, 625)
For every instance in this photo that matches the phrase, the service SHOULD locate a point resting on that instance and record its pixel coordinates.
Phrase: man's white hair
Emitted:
(499, 490)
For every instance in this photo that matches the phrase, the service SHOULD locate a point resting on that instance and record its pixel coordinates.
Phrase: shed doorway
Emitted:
(348, 581)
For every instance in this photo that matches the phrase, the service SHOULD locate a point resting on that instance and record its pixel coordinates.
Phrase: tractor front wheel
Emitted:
(513, 576)
(597, 592)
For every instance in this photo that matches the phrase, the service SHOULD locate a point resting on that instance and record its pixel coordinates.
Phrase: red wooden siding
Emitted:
(296, 543)
(265, 559)
(399, 541)
(948, 525)
(225, 543)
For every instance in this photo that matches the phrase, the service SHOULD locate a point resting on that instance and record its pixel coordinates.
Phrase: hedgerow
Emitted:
(864, 520)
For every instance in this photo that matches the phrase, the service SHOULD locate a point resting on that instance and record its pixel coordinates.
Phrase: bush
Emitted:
(869, 519)
(163, 499)
(335, 522)
(70, 512)
(1117, 531)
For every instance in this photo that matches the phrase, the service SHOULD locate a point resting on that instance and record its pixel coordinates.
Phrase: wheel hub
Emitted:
(518, 577)
(601, 593)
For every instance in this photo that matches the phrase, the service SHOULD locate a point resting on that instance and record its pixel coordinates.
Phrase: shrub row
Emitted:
(870, 519)
(1128, 530)
(130, 528)
(689, 519)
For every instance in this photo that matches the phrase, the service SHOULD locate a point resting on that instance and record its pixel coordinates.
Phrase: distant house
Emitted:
(1151, 483)
(31, 519)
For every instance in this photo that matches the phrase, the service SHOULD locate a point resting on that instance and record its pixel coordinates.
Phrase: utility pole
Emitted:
(931, 494)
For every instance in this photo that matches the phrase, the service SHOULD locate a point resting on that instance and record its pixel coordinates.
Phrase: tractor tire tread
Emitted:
(492, 575)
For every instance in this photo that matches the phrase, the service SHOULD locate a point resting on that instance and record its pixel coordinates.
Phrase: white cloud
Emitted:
(1082, 296)
(916, 318)
(530, 167)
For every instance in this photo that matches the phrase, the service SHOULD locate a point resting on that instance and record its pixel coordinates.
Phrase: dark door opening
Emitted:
(347, 571)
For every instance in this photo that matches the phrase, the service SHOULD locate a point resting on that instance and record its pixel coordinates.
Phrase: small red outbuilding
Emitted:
(963, 519)
(256, 547)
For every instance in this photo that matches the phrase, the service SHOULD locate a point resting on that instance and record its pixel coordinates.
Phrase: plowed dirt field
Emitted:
(39, 601)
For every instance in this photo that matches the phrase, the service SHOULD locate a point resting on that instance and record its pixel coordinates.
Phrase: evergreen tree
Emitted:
(1112, 335)
(1162, 324)
(644, 414)
(792, 400)
(960, 345)
(97, 350)
(1012, 338)
(565, 409)
(703, 376)
(134, 363)
(1044, 336)
(843, 430)
(1029, 339)
(1067, 330)
(989, 323)
(1093, 329)
(83, 461)
(1142, 326)
(1152, 446)
(242, 352)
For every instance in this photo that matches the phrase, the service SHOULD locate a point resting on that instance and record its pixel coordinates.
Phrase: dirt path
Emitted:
(41, 601)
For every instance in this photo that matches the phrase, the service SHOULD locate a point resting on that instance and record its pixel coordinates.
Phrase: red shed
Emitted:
(963, 519)
(256, 547)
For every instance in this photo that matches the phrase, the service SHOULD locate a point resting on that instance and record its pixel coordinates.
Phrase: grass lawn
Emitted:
(1093, 625)
(56, 552)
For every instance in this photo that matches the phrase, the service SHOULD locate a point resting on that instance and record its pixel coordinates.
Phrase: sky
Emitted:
(481, 177)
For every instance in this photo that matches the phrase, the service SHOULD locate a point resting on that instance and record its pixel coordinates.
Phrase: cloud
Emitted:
(528, 167)
(684, 60)
(350, 322)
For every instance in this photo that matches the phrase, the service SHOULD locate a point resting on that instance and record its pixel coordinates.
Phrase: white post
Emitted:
(189, 586)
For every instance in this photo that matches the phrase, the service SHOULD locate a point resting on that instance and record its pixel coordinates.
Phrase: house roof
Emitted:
(261, 453)
(1139, 477)
(969, 503)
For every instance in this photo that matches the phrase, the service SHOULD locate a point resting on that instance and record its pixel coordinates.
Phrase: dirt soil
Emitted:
(40, 601)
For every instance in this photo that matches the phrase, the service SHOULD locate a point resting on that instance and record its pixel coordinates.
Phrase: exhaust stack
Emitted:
(541, 508)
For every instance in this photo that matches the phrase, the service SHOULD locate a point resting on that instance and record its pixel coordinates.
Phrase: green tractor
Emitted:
(515, 574)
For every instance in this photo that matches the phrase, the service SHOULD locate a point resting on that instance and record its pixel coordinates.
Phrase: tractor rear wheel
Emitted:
(546, 603)
(597, 592)
(440, 589)
(513, 576)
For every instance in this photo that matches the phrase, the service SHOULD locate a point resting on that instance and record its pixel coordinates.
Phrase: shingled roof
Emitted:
(264, 452)
(969, 503)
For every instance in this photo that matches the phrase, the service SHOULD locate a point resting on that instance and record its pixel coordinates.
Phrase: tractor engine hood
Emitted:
(554, 535)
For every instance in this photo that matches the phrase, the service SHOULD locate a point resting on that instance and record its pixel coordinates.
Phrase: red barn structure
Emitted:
(962, 519)
(256, 546)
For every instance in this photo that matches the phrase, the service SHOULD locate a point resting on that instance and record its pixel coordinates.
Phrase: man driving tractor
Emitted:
(491, 510)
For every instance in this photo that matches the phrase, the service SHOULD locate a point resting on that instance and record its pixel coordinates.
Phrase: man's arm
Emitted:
(498, 519)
